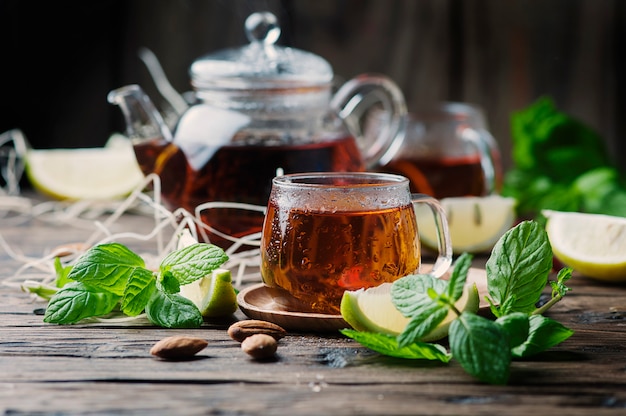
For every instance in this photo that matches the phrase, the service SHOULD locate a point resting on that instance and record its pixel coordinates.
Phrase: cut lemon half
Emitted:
(592, 244)
(476, 223)
(371, 310)
(101, 173)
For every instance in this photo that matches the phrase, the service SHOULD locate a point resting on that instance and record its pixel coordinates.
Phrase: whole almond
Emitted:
(241, 330)
(260, 346)
(178, 347)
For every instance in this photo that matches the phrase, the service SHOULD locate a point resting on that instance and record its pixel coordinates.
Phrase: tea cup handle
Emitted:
(444, 245)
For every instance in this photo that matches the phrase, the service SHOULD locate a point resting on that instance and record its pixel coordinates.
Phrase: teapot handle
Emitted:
(367, 96)
(489, 155)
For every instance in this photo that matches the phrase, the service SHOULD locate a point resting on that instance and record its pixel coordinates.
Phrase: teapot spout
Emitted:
(143, 121)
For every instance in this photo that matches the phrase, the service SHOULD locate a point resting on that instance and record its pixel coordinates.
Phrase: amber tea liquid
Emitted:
(316, 255)
(442, 177)
(239, 173)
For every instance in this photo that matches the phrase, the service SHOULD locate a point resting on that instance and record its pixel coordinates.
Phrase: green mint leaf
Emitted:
(519, 266)
(516, 325)
(544, 333)
(171, 310)
(168, 283)
(42, 290)
(61, 273)
(422, 324)
(410, 294)
(77, 301)
(459, 276)
(139, 289)
(193, 262)
(558, 287)
(388, 345)
(107, 266)
(480, 346)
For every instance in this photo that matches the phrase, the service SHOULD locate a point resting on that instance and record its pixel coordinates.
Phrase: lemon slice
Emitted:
(372, 310)
(476, 223)
(102, 173)
(592, 244)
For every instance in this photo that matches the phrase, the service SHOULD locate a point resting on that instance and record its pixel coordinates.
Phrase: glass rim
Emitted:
(325, 180)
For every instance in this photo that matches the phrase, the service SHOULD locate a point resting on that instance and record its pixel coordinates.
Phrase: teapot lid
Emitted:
(261, 64)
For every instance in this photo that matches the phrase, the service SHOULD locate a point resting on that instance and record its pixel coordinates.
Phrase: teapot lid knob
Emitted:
(262, 27)
(261, 64)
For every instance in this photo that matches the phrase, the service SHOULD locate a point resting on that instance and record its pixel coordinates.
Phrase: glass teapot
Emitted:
(262, 110)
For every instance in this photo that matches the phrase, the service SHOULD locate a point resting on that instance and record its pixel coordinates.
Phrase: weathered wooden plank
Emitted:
(107, 368)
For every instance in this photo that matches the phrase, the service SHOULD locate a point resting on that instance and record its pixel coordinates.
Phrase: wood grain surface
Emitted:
(107, 369)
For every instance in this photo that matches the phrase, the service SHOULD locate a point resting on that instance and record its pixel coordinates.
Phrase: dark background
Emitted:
(59, 59)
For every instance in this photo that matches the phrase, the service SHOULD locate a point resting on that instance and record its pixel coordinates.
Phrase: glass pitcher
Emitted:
(448, 151)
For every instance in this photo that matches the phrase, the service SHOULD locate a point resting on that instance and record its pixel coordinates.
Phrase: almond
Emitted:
(241, 330)
(178, 347)
(260, 346)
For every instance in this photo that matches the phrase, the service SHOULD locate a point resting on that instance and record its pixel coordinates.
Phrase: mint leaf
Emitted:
(518, 268)
(410, 293)
(544, 333)
(138, 292)
(516, 326)
(107, 266)
(559, 289)
(388, 345)
(459, 276)
(481, 347)
(168, 283)
(171, 310)
(61, 273)
(77, 301)
(193, 262)
(422, 323)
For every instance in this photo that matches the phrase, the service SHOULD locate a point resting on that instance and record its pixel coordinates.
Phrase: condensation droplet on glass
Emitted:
(376, 276)
(390, 268)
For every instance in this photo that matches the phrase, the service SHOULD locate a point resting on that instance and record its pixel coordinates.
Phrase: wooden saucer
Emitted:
(257, 302)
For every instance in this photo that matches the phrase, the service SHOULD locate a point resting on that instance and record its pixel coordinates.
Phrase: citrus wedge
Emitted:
(101, 173)
(476, 223)
(592, 244)
(214, 295)
(371, 310)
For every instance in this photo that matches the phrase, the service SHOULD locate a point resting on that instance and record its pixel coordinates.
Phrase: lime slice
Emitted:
(214, 295)
(372, 310)
(476, 223)
(84, 174)
(592, 244)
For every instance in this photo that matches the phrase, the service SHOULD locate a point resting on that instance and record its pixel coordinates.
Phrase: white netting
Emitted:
(101, 218)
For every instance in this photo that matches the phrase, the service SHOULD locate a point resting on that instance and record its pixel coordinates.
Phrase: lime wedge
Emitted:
(84, 174)
(214, 295)
(476, 223)
(371, 310)
(593, 244)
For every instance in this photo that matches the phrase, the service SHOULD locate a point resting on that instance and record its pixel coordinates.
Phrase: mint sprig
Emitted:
(517, 273)
(111, 275)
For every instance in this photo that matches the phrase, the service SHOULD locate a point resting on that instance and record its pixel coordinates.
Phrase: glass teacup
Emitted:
(325, 233)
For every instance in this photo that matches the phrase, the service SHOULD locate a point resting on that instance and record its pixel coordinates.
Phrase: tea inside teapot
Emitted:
(262, 111)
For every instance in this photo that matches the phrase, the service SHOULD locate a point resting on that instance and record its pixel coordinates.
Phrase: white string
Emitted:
(244, 258)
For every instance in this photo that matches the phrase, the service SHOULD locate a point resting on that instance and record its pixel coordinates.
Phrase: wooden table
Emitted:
(107, 369)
